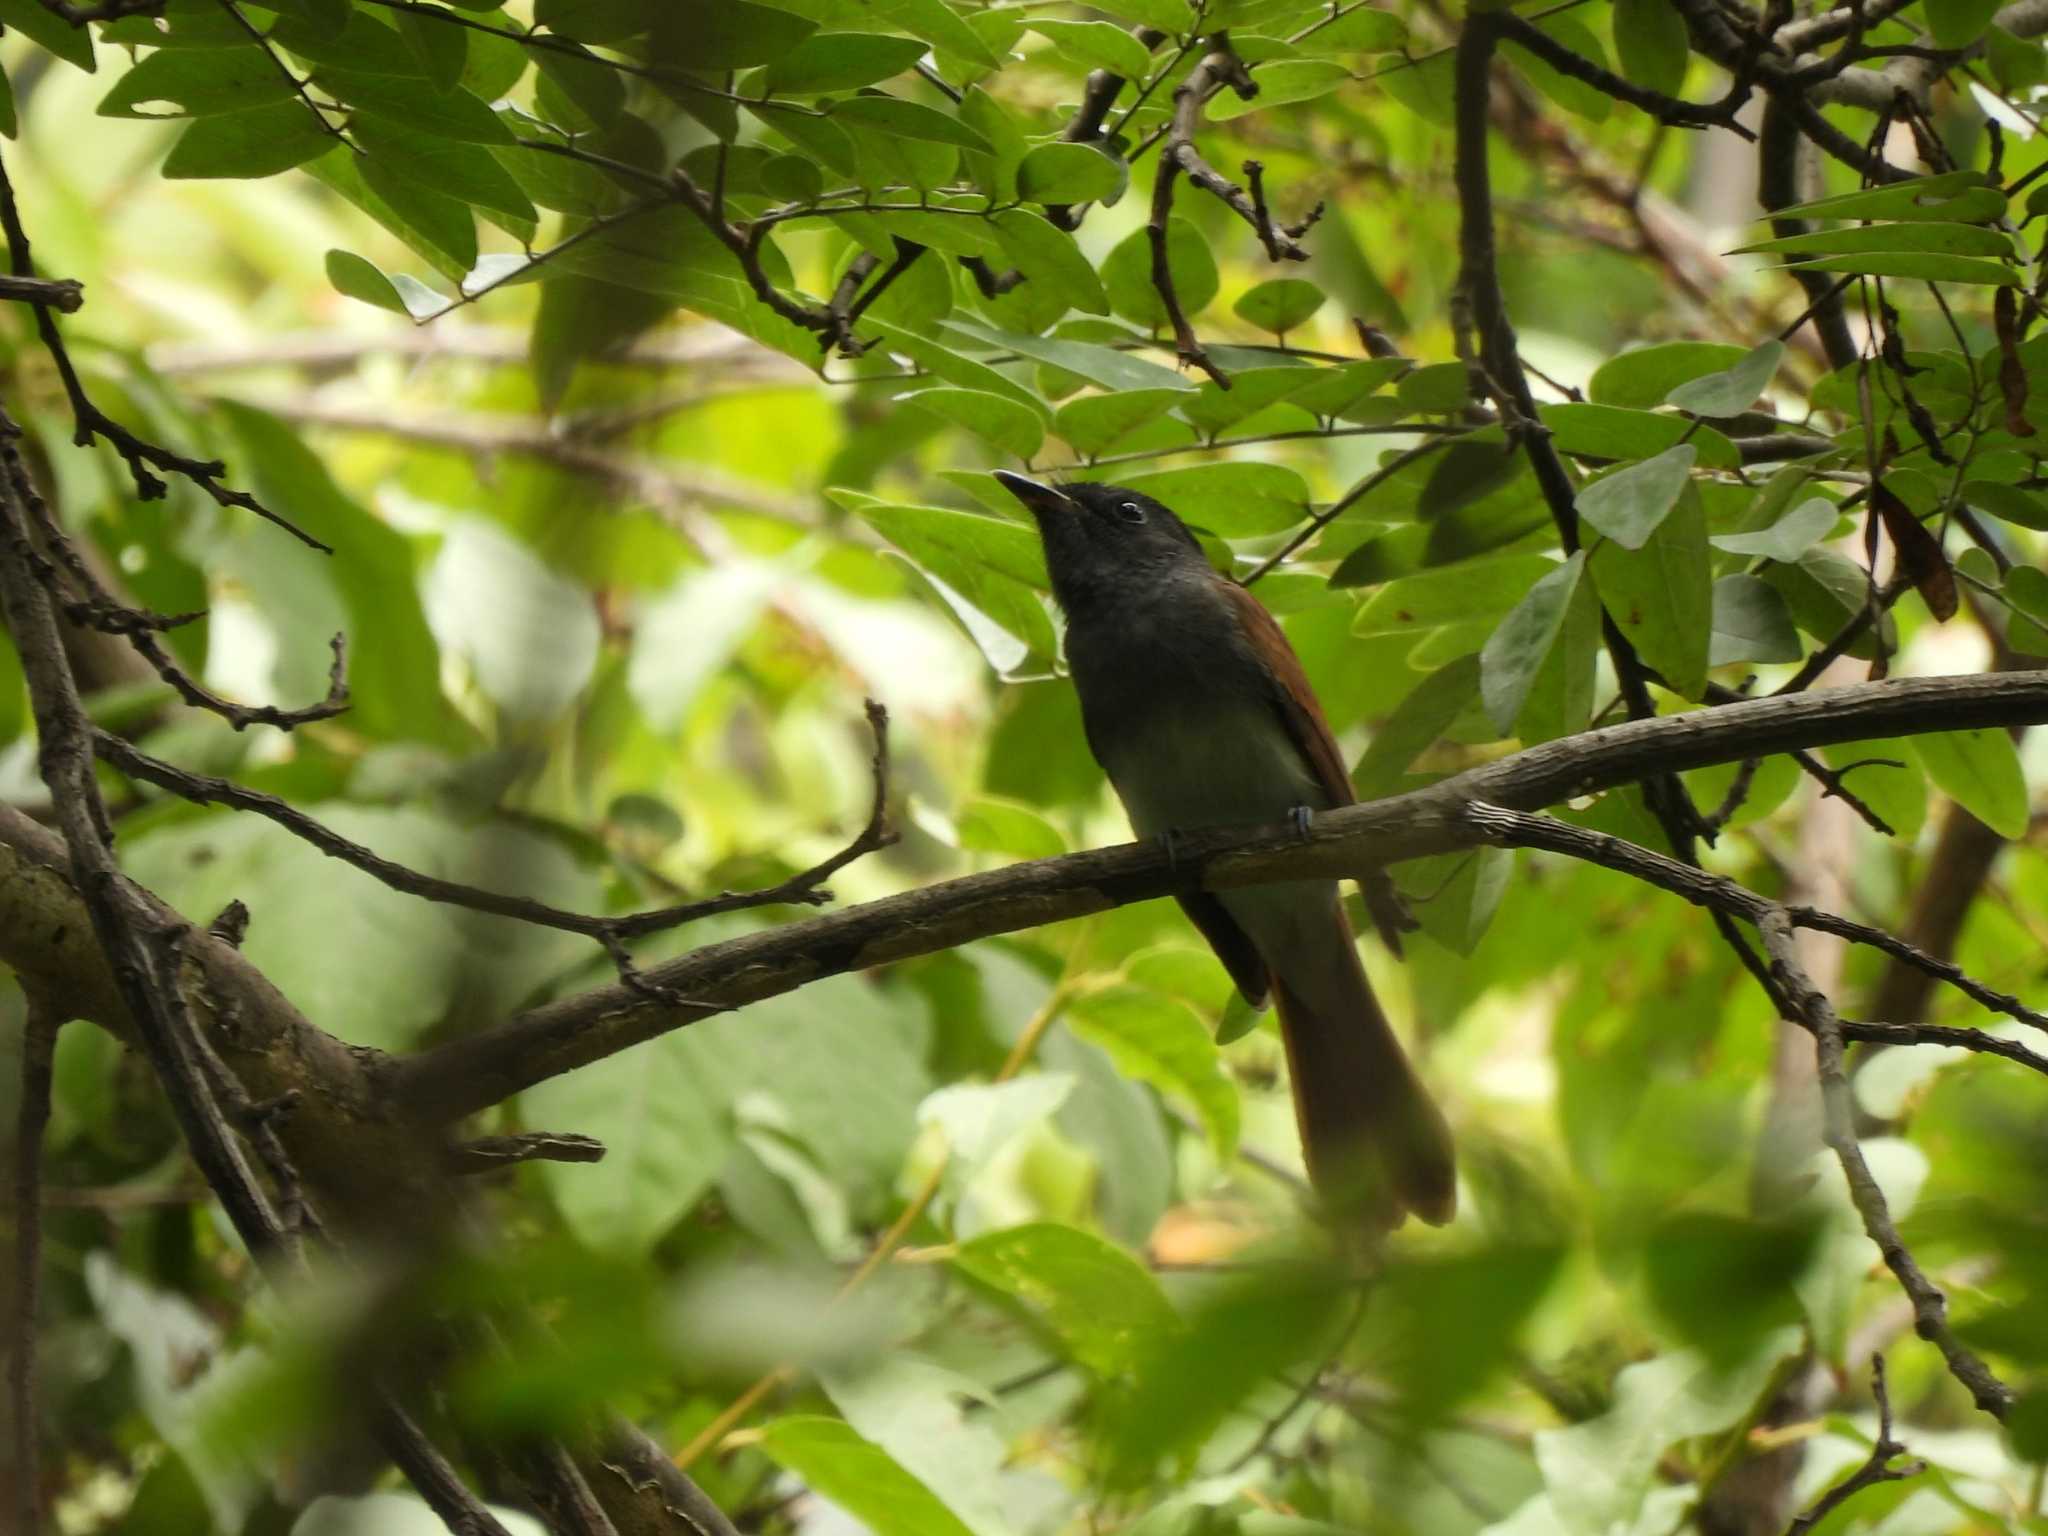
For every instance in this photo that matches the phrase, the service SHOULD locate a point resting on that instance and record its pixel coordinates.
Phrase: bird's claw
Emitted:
(1170, 841)
(1302, 819)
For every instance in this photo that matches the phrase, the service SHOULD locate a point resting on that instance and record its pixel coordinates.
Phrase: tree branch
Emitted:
(465, 1075)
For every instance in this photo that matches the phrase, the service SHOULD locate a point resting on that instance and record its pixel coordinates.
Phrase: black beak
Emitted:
(1039, 500)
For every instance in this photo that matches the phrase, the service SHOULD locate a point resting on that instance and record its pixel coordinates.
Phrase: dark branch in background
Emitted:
(1777, 161)
(106, 10)
(143, 457)
(38, 1048)
(1220, 67)
(97, 609)
(1877, 1467)
(806, 888)
(1673, 110)
(1499, 364)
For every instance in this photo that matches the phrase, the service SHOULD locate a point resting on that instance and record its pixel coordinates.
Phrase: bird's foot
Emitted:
(1169, 840)
(1302, 819)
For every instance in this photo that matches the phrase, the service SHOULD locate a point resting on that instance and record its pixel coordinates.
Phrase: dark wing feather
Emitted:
(1294, 700)
(1232, 944)
(1296, 704)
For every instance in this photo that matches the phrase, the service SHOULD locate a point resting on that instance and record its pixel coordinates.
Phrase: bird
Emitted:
(1198, 710)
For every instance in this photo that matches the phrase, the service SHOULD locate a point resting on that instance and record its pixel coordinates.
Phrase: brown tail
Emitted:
(1374, 1140)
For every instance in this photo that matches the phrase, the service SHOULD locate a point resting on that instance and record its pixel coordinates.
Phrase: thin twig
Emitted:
(1876, 1468)
(805, 888)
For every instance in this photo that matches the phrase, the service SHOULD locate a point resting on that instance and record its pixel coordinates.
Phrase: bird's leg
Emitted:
(1170, 841)
(1302, 819)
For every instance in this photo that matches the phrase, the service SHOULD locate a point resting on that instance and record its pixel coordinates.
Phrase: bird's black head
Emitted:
(1101, 539)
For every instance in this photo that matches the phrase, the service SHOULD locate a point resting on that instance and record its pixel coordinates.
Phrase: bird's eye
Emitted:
(1130, 512)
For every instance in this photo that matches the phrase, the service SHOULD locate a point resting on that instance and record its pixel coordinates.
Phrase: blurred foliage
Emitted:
(619, 549)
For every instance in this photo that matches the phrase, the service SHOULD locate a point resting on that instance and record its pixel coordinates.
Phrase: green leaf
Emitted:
(401, 294)
(1160, 1041)
(2008, 503)
(1438, 388)
(1608, 432)
(488, 595)
(1092, 423)
(1102, 1308)
(440, 229)
(1569, 92)
(1522, 641)
(48, 30)
(989, 570)
(1244, 1332)
(1751, 623)
(909, 119)
(953, 366)
(1049, 258)
(2026, 588)
(394, 663)
(457, 114)
(840, 61)
(1959, 23)
(728, 34)
(1954, 239)
(1279, 304)
(1980, 771)
(827, 1455)
(1417, 722)
(1824, 591)
(1446, 1323)
(1629, 504)
(1098, 45)
(990, 824)
(1661, 596)
(1170, 16)
(247, 145)
(1559, 703)
(1359, 29)
(1732, 391)
(1211, 408)
(467, 172)
(1645, 376)
(1789, 537)
(1127, 274)
(1235, 500)
(1650, 37)
(939, 25)
(1071, 173)
(379, 966)
(999, 420)
(584, 80)
(1600, 1473)
(1724, 1283)
(1281, 83)
(1960, 195)
(1927, 268)
(1427, 87)
(1098, 365)
(192, 82)
(1471, 591)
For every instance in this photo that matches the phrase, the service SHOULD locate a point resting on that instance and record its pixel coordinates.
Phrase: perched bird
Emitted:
(1199, 711)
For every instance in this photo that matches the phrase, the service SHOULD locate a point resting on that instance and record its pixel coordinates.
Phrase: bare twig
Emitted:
(1876, 1468)
(143, 457)
(805, 888)
(1838, 1128)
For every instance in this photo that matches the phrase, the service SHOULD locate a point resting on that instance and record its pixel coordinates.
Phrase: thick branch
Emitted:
(483, 1069)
